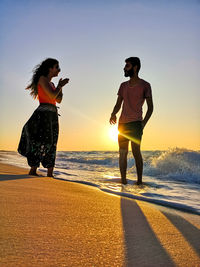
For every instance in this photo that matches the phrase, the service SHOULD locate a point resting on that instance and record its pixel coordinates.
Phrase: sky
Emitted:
(91, 40)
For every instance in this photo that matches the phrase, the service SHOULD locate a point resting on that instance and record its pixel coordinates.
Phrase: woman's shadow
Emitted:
(7, 177)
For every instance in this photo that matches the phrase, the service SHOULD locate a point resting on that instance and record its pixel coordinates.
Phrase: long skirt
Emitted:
(39, 137)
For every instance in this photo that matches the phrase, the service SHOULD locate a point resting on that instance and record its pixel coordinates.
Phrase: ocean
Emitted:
(171, 178)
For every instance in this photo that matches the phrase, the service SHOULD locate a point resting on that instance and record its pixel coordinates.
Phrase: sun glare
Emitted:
(113, 133)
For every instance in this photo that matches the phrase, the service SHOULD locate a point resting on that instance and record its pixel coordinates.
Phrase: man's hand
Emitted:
(143, 124)
(149, 111)
(113, 119)
(62, 82)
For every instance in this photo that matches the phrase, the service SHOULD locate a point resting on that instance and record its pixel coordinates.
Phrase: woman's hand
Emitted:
(62, 82)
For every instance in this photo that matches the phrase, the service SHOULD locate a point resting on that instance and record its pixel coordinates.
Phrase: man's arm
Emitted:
(149, 101)
(113, 118)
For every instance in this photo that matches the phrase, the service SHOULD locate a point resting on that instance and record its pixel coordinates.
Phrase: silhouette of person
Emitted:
(132, 94)
(40, 134)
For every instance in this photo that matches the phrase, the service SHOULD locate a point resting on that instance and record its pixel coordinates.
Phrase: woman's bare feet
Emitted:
(33, 171)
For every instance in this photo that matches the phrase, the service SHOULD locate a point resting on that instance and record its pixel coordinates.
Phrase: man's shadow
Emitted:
(142, 246)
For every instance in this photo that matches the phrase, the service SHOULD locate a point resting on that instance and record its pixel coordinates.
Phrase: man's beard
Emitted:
(129, 73)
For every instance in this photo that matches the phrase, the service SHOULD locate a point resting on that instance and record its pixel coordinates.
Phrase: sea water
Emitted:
(171, 178)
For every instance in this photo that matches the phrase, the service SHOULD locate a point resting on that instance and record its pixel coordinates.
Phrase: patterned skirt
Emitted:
(39, 136)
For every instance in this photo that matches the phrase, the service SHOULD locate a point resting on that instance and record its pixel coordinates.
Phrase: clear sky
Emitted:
(91, 40)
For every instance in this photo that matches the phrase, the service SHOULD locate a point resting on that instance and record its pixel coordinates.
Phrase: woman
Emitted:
(40, 134)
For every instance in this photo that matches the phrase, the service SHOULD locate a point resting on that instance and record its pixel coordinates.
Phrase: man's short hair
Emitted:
(135, 61)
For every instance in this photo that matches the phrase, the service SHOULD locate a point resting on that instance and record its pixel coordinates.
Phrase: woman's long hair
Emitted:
(40, 70)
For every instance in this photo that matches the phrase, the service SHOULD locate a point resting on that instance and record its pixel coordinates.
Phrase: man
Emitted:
(132, 94)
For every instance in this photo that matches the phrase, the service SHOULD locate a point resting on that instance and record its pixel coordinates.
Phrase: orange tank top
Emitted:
(43, 97)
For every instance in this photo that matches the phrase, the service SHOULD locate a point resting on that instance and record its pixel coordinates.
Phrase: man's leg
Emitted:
(138, 161)
(50, 172)
(123, 152)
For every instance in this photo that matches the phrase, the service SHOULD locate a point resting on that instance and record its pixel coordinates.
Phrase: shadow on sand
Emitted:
(7, 177)
(142, 246)
(188, 230)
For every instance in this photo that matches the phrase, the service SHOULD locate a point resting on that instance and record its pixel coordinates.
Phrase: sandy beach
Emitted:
(49, 222)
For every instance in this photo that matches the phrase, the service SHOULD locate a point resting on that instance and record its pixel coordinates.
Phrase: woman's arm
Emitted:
(48, 89)
(59, 97)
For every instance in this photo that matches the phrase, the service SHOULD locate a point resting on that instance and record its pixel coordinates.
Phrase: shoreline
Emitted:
(160, 202)
(166, 204)
(46, 222)
(118, 194)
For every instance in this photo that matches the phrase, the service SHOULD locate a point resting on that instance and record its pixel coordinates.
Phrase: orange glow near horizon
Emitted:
(113, 133)
(104, 138)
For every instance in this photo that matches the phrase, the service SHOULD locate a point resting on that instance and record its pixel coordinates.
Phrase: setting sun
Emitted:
(113, 133)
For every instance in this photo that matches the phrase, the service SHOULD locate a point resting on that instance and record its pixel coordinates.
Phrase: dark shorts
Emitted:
(131, 131)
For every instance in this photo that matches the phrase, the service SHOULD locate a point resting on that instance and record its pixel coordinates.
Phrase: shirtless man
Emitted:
(132, 94)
